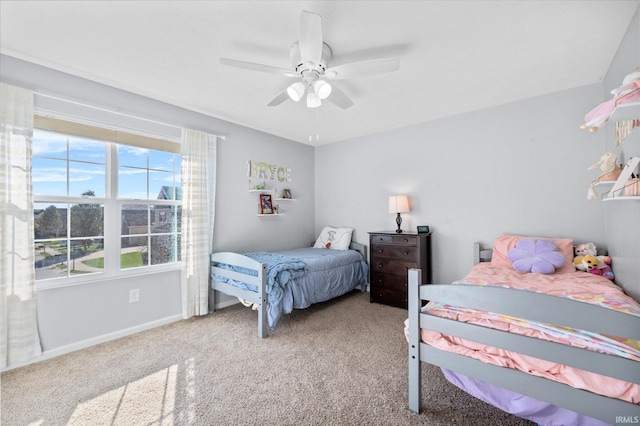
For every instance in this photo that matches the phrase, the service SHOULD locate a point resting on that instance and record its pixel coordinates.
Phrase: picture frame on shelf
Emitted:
(286, 193)
(266, 204)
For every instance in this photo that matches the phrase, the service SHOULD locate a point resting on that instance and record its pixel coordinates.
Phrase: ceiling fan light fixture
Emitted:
(296, 91)
(322, 88)
(313, 100)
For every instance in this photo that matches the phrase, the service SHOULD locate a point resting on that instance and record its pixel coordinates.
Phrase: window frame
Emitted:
(111, 202)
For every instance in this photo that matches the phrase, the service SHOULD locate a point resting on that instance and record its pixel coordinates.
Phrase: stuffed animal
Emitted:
(582, 250)
(598, 266)
(610, 171)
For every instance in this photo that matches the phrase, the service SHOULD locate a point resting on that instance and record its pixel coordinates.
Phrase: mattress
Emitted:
(575, 285)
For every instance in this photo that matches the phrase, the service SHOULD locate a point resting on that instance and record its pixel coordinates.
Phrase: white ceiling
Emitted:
(455, 56)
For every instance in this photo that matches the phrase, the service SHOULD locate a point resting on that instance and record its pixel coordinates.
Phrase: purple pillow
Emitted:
(539, 256)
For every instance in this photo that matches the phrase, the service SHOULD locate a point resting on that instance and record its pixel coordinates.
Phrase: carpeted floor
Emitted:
(342, 362)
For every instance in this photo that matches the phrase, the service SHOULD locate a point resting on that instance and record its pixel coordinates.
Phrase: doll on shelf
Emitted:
(628, 92)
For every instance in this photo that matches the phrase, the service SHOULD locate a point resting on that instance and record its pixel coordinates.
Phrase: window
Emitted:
(102, 207)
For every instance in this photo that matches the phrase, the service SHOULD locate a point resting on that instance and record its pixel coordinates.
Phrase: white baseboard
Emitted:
(96, 341)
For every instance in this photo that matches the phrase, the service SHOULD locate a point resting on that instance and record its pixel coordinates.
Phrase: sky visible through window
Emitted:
(141, 174)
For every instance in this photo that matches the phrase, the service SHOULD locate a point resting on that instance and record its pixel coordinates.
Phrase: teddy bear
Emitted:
(598, 265)
(580, 251)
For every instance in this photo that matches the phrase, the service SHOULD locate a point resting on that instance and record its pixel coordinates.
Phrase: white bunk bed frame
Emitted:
(259, 280)
(522, 304)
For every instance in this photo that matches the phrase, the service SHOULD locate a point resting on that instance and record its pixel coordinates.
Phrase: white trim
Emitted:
(96, 341)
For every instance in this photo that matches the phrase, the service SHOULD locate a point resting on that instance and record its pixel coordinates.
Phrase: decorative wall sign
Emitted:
(265, 171)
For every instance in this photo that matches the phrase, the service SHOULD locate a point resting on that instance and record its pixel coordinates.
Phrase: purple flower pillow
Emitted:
(539, 256)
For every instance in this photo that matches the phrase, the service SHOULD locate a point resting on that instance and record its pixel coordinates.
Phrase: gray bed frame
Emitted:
(260, 281)
(528, 305)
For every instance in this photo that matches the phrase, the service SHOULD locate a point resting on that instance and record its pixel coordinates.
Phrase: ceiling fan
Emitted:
(310, 57)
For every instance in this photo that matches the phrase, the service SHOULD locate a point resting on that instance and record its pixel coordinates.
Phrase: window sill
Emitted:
(102, 277)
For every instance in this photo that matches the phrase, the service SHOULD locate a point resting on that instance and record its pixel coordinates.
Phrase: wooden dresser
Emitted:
(391, 255)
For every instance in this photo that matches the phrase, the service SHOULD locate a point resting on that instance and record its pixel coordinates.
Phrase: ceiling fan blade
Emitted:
(280, 98)
(339, 98)
(310, 37)
(257, 67)
(363, 68)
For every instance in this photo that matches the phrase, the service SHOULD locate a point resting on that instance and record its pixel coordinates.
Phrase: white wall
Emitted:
(518, 168)
(622, 219)
(76, 316)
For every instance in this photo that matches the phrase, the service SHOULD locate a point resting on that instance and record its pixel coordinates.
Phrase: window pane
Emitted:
(162, 185)
(49, 176)
(49, 144)
(87, 220)
(50, 220)
(162, 219)
(134, 219)
(132, 156)
(50, 259)
(132, 183)
(134, 252)
(163, 249)
(91, 256)
(86, 256)
(86, 179)
(160, 160)
(86, 150)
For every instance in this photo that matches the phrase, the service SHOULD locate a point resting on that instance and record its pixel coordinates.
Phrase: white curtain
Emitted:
(198, 201)
(19, 340)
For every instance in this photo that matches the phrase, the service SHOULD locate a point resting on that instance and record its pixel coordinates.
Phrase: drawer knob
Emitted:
(406, 253)
(406, 240)
(380, 265)
(380, 251)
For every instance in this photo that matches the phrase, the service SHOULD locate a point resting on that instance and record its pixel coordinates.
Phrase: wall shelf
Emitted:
(624, 112)
(616, 190)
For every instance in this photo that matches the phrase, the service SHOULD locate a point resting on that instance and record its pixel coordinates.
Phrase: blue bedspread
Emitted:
(281, 270)
(298, 278)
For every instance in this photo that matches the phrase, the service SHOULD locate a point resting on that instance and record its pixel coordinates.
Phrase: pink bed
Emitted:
(567, 284)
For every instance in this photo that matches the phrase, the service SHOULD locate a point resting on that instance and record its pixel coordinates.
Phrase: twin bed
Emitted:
(278, 282)
(557, 349)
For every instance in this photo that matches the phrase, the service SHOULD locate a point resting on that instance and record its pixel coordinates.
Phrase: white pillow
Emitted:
(334, 238)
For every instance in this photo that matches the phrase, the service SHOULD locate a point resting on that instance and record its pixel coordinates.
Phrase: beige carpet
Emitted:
(342, 362)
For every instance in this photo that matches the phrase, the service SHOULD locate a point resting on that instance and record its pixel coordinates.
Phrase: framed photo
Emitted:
(286, 193)
(266, 207)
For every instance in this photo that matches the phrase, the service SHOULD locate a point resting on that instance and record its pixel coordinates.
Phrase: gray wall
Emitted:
(622, 219)
(77, 316)
(519, 168)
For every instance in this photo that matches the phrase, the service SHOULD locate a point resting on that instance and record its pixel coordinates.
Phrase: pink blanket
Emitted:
(575, 285)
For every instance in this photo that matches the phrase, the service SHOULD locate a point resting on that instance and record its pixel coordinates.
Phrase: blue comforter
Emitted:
(281, 270)
(299, 278)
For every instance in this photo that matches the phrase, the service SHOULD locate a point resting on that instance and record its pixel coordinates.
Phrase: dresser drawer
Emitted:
(394, 239)
(390, 282)
(389, 297)
(393, 267)
(394, 252)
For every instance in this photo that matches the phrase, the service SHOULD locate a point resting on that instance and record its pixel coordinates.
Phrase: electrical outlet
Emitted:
(134, 295)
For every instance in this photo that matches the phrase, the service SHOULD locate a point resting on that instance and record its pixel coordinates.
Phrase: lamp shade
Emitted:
(313, 100)
(322, 88)
(295, 91)
(398, 204)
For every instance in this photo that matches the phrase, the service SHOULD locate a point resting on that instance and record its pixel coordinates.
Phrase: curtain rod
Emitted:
(115, 112)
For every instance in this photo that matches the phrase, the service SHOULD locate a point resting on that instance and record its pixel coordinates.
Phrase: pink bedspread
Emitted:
(575, 285)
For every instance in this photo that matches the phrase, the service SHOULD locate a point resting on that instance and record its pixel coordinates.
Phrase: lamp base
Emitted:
(398, 222)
